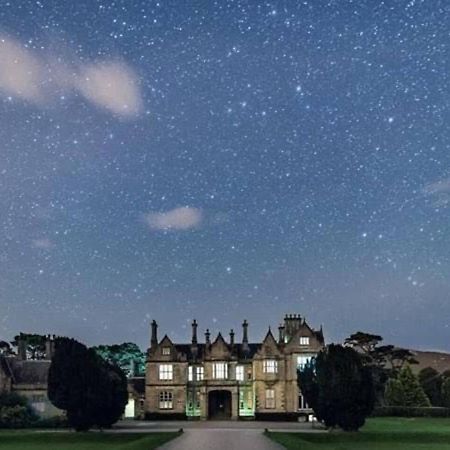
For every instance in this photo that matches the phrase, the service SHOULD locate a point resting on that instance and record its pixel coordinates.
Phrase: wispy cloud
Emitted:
(42, 243)
(182, 218)
(20, 72)
(108, 84)
(437, 187)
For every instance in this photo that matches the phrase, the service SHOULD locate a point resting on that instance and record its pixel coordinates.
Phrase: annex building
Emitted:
(226, 379)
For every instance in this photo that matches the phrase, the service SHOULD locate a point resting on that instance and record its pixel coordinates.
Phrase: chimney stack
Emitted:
(245, 346)
(49, 346)
(21, 348)
(194, 331)
(207, 337)
(281, 334)
(154, 338)
(231, 337)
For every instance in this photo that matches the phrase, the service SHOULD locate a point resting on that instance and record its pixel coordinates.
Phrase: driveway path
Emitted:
(222, 439)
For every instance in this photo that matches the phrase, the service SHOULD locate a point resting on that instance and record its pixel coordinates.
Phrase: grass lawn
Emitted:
(38, 440)
(377, 434)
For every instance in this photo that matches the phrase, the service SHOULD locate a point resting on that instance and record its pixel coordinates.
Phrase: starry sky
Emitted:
(225, 160)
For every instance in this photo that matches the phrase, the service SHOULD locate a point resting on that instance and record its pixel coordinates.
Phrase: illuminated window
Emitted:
(270, 366)
(166, 351)
(165, 400)
(304, 340)
(302, 361)
(200, 373)
(166, 372)
(220, 371)
(190, 373)
(270, 398)
(240, 373)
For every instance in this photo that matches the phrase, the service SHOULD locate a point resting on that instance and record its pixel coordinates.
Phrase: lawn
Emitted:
(38, 440)
(377, 434)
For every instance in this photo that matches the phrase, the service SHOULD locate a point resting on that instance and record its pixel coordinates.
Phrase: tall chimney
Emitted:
(231, 337)
(154, 338)
(281, 334)
(207, 336)
(22, 348)
(49, 346)
(245, 346)
(194, 331)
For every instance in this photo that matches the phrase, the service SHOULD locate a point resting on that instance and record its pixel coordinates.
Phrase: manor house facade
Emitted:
(225, 379)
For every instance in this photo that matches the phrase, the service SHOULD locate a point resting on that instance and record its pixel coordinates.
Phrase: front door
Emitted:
(219, 405)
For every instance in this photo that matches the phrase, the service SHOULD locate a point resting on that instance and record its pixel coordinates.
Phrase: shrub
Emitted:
(445, 392)
(15, 412)
(405, 411)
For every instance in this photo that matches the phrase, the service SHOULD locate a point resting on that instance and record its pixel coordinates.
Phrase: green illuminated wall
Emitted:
(246, 401)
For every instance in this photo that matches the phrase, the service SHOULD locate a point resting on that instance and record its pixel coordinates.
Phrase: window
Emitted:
(166, 372)
(165, 400)
(200, 373)
(302, 361)
(166, 351)
(220, 371)
(270, 366)
(270, 398)
(240, 373)
(190, 373)
(304, 340)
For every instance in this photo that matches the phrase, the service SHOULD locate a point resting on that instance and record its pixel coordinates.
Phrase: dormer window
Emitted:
(304, 340)
(270, 366)
(166, 351)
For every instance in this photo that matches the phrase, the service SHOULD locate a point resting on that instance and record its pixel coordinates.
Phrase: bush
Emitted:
(17, 417)
(405, 411)
(52, 422)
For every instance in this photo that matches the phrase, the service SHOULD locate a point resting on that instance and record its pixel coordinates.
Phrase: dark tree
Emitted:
(431, 382)
(366, 343)
(339, 387)
(83, 384)
(6, 349)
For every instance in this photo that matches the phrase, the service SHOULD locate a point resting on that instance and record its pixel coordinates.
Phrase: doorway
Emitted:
(219, 405)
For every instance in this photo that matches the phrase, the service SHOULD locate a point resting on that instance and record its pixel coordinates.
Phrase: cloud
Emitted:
(43, 244)
(20, 71)
(110, 85)
(438, 187)
(182, 218)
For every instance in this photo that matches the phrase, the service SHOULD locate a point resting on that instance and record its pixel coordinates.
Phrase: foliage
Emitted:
(128, 356)
(445, 392)
(407, 411)
(6, 349)
(431, 382)
(339, 388)
(90, 390)
(405, 390)
(15, 411)
(35, 344)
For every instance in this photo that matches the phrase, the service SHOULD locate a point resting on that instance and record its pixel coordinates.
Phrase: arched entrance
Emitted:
(219, 405)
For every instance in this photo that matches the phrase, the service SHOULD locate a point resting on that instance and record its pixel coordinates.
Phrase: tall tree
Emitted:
(338, 387)
(445, 392)
(128, 356)
(35, 344)
(431, 381)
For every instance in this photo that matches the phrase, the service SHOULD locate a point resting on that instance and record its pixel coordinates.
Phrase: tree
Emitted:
(128, 356)
(6, 349)
(35, 344)
(406, 390)
(364, 342)
(431, 382)
(92, 391)
(338, 387)
(15, 411)
(445, 392)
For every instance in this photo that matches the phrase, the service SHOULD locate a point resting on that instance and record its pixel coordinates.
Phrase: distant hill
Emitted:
(436, 360)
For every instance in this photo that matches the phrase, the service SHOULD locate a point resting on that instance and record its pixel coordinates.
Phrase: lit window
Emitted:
(190, 373)
(304, 340)
(166, 351)
(270, 398)
(302, 361)
(240, 373)
(165, 400)
(166, 372)
(200, 373)
(220, 371)
(270, 366)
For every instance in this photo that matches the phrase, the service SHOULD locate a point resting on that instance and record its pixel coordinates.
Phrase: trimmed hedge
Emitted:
(405, 411)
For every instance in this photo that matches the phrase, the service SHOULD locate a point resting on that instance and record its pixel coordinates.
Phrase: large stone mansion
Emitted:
(220, 379)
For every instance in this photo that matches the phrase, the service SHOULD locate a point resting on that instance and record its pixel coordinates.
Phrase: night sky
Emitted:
(225, 160)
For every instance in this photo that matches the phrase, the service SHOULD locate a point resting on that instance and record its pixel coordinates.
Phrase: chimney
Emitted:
(207, 336)
(245, 346)
(49, 346)
(281, 334)
(21, 348)
(194, 331)
(154, 338)
(231, 337)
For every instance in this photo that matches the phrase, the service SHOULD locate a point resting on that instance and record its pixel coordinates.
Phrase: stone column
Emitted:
(235, 405)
